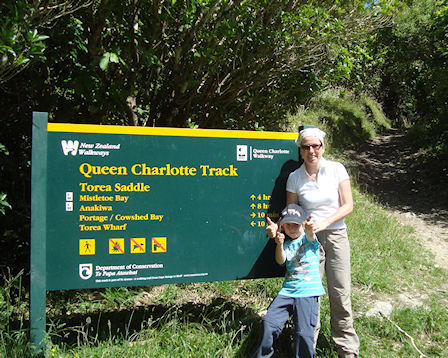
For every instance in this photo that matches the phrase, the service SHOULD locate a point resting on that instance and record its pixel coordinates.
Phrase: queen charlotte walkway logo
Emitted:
(245, 153)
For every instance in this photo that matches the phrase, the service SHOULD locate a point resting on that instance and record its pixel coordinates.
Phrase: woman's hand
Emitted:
(320, 225)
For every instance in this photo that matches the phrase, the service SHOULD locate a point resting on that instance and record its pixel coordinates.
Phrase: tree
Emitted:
(213, 63)
(218, 63)
(415, 73)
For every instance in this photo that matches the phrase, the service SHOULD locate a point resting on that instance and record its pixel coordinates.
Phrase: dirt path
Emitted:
(392, 170)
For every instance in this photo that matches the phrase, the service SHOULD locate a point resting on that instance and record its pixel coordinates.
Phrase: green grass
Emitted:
(347, 119)
(383, 249)
(220, 319)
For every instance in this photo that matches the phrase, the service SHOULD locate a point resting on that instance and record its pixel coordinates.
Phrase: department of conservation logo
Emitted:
(85, 271)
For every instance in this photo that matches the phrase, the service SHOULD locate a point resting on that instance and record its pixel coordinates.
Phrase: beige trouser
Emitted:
(335, 261)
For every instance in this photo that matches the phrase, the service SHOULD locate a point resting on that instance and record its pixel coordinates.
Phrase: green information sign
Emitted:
(134, 206)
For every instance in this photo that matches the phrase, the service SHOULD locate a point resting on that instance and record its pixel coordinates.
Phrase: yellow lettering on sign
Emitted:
(208, 171)
(88, 170)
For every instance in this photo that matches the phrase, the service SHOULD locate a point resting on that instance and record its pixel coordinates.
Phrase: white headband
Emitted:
(310, 132)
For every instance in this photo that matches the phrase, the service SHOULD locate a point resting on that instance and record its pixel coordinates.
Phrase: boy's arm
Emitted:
(280, 257)
(309, 229)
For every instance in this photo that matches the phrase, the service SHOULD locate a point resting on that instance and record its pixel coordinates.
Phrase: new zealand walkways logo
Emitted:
(70, 146)
(74, 147)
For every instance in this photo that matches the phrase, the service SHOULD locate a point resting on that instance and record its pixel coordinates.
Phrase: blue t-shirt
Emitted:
(302, 277)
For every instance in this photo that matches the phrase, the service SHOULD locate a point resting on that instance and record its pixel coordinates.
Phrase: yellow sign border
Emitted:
(165, 131)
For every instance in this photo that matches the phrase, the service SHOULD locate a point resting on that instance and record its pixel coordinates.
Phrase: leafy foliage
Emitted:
(226, 64)
(197, 63)
(412, 74)
(3, 203)
(21, 40)
(20, 43)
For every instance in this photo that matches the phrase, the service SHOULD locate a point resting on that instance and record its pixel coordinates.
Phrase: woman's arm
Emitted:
(291, 198)
(346, 200)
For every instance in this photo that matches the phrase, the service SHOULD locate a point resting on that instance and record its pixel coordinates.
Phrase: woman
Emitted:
(322, 188)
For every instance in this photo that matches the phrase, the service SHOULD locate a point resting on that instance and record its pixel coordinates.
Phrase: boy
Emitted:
(301, 288)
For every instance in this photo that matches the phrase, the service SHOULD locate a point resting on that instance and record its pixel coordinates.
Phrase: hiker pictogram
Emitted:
(87, 247)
